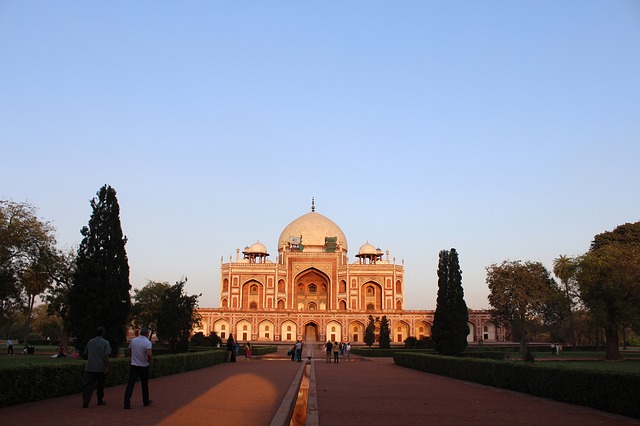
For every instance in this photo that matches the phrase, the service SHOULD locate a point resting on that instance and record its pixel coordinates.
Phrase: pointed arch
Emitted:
(252, 292)
(371, 296)
(311, 286)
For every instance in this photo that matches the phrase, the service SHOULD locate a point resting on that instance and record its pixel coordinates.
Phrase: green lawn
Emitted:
(627, 366)
(42, 356)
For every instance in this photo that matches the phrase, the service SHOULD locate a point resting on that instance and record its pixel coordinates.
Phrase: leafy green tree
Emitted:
(609, 279)
(370, 332)
(178, 317)
(145, 310)
(199, 339)
(99, 295)
(27, 249)
(57, 296)
(385, 333)
(46, 325)
(451, 319)
(521, 293)
(629, 233)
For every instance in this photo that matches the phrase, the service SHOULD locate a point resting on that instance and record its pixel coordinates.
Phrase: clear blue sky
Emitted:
(505, 129)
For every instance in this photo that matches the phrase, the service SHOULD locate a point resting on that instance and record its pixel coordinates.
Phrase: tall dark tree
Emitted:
(99, 295)
(178, 317)
(451, 319)
(370, 332)
(385, 333)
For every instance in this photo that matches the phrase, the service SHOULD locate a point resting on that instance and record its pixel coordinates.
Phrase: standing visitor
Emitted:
(336, 353)
(10, 346)
(97, 354)
(327, 348)
(348, 350)
(247, 351)
(140, 352)
(231, 348)
(299, 350)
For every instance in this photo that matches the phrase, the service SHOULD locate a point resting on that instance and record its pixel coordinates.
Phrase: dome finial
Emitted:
(313, 204)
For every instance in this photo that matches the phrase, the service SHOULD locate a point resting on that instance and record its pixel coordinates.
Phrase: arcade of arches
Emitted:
(312, 292)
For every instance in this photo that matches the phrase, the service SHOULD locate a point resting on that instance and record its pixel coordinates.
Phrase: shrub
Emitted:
(600, 389)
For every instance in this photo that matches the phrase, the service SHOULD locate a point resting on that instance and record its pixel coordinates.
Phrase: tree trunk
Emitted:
(613, 351)
(524, 344)
(27, 322)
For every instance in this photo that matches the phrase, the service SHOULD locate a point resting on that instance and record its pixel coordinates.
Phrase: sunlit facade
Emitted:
(312, 292)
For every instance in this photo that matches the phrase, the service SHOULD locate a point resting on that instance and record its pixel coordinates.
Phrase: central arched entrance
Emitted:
(312, 290)
(311, 332)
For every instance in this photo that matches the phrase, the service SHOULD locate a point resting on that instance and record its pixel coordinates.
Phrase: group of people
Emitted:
(296, 351)
(339, 350)
(26, 350)
(97, 353)
(556, 348)
(233, 348)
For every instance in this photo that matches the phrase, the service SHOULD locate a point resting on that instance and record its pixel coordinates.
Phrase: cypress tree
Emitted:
(100, 295)
(385, 333)
(450, 322)
(370, 332)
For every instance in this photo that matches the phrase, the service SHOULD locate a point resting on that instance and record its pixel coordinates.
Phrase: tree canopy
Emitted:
(99, 295)
(178, 317)
(145, 311)
(451, 319)
(608, 276)
(522, 293)
(27, 253)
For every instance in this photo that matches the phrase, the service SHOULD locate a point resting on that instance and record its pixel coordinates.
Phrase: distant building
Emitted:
(312, 293)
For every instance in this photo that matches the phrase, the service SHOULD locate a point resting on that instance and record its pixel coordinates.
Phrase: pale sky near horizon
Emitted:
(508, 130)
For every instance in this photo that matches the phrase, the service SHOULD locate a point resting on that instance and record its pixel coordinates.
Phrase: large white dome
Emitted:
(313, 228)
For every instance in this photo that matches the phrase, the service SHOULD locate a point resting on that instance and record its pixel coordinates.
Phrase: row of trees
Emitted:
(601, 286)
(86, 289)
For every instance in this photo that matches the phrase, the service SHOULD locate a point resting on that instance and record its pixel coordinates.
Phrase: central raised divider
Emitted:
(300, 406)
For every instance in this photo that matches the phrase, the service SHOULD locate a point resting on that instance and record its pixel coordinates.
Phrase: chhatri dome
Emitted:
(313, 232)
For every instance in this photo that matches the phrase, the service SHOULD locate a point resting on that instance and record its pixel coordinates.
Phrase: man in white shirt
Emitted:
(140, 352)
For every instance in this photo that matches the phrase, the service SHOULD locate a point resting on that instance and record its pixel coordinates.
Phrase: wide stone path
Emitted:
(360, 391)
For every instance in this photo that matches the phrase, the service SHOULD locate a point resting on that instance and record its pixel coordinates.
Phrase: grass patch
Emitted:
(628, 366)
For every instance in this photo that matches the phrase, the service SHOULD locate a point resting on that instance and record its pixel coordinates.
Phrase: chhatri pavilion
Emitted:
(312, 292)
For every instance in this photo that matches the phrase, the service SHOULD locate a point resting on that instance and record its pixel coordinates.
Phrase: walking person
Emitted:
(10, 346)
(140, 352)
(97, 354)
(348, 350)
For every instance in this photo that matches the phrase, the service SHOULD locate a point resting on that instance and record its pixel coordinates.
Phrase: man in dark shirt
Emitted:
(97, 354)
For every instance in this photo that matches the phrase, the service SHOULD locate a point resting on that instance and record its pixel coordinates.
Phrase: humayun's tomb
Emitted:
(313, 293)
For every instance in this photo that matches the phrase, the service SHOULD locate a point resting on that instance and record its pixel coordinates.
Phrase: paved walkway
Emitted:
(360, 391)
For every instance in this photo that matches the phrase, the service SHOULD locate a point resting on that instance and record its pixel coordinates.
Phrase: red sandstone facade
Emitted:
(313, 293)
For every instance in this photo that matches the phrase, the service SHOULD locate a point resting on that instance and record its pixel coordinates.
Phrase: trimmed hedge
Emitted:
(381, 353)
(614, 392)
(37, 382)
